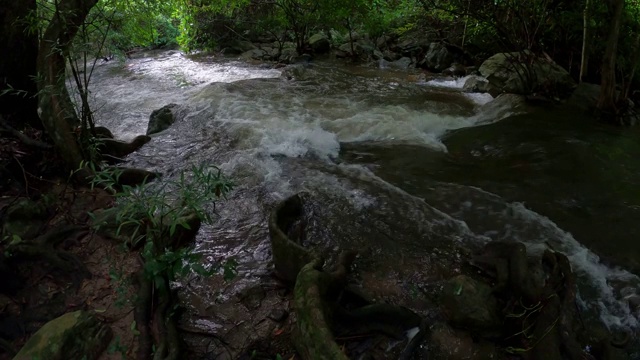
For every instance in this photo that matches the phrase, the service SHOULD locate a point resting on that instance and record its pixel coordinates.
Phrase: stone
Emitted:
(455, 70)
(75, 335)
(402, 63)
(584, 97)
(358, 50)
(288, 55)
(119, 149)
(507, 73)
(438, 57)
(253, 54)
(278, 315)
(164, 117)
(237, 47)
(476, 84)
(102, 132)
(446, 343)
(320, 43)
(470, 304)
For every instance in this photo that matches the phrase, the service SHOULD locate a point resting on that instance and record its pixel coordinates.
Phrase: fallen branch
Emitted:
(4, 126)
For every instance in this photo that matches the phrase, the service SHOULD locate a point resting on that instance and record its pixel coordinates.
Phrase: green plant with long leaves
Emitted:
(149, 215)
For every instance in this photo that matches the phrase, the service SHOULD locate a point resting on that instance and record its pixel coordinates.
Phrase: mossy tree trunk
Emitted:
(54, 103)
(607, 99)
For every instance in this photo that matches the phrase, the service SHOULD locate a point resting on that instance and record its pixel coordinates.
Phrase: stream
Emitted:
(409, 173)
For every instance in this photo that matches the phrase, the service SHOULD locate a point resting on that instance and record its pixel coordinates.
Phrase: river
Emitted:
(410, 173)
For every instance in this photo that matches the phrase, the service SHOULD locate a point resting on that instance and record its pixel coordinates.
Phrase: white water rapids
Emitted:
(276, 136)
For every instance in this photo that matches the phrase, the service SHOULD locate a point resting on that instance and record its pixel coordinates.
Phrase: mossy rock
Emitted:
(76, 335)
(470, 304)
(25, 218)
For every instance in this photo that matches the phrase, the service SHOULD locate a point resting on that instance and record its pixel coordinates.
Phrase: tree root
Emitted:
(289, 257)
(43, 248)
(315, 340)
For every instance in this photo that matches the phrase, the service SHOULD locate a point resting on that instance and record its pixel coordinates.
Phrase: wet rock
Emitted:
(446, 343)
(471, 305)
(390, 55)
(584, 97)
(252, 297)
(476, 84)
(509, 72)
(253, 54)
(357, 51)
(278, 315)
(102, 132)
(133, 176)
(288, 55)
(237, 47)
(438, 57)
(455, 70)
(377, 55)
(25, 218)
(119, 149)
(402, 63)
(164, 117)
(76, 335)
(320, 43)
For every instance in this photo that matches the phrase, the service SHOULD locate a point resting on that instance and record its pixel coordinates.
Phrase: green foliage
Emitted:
(149, 214)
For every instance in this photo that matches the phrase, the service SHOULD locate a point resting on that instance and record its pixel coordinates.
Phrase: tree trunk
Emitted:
(634, 64)
(54, 103)
(607, 99)
(18, 65)
(585, 36)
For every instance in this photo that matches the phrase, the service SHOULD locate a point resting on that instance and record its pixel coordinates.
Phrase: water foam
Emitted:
(455, 83)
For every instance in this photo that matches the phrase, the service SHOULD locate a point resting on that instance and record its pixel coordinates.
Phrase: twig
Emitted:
(24, 176)
(22, 137)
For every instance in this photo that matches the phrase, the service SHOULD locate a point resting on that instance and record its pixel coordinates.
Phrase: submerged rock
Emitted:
(76, 335)
(164, 117)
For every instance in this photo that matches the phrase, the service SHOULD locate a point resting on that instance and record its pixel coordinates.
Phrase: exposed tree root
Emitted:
(43, 248)
(317, 294)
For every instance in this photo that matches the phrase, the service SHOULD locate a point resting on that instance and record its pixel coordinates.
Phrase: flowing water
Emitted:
(408, 173)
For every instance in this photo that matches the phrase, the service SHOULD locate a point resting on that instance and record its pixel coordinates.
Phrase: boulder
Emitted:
(390, 55)
(470, 304)
(402, 63)
(237, 47)
(345, 50)
(525, 73)
(455, 70)
(76, 335)
(253, 54)
(438, 57)
(584, 97)
(102, 132)
(476, 84)
(164, 117)
(320, 43)
(446, 343)
(288, 55)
